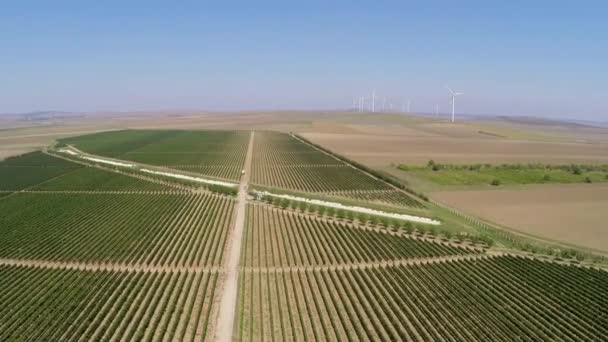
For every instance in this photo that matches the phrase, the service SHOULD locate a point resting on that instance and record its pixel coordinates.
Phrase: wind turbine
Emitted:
(453, 99)
(374, 101)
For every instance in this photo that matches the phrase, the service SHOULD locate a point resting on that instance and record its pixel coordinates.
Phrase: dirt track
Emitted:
(229, 296)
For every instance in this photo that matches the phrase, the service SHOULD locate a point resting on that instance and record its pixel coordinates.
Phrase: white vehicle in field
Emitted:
(242, 172)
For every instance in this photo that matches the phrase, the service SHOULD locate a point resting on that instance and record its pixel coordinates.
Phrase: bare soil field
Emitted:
(381, 150)
(573, 214)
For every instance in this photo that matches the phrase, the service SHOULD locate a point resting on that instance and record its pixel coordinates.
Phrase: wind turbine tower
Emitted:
(453, 99)
(374, 101)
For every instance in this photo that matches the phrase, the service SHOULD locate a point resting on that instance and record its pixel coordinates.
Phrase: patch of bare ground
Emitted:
(572, 214)
(382, 150)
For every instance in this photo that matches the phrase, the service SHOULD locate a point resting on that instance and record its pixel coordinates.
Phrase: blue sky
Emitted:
(544, 58)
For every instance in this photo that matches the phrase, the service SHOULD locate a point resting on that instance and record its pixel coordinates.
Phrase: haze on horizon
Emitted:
(544, 58)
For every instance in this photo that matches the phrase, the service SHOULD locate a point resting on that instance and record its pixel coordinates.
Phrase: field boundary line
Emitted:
(376, 264)
(93, 266)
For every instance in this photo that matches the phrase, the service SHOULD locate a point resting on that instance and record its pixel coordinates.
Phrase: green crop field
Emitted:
(162, 229)
(94, 253)
(494, 299)
(280, 160)
(94, 179)
(31, 169)
(508, 174)
(276, 237)
(65, 305)
(218, 154)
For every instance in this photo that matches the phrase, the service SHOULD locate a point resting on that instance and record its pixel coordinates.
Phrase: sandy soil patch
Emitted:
(381, 150)
(573, 214)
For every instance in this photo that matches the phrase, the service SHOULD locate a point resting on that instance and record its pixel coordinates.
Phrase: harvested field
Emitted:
(573, 214)
(52, 304)
(475, 300)
(160, 229)
(382, 150)
(276, 237)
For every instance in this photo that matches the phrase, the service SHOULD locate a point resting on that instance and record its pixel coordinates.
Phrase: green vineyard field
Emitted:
(30, 169)
(276, 237)
(54, 305)
(494, 299)
(94, 179)
(160, 229)
(279, 160)
(218, 154)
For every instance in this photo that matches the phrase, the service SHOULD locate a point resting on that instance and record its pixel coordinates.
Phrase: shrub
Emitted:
(322, 210)
(546, 178)
(576, 170)
(587, 179)
(303, 206)
(373, 219)
(330, 212)
(350, 215)
(294, 204)
(341, 214)
(285, 203)
(495, 182)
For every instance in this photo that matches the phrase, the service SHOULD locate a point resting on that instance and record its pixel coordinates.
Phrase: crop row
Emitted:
(275, 237)
(94, 179)
(160, 229)
(392, 196)
(495, 299)
(280, 160)
(27, 170)
(116, 143)
(54, 304)
(214, 153)
(315, 179)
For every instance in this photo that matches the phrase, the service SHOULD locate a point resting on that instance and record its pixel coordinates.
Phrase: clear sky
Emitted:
(544, 58)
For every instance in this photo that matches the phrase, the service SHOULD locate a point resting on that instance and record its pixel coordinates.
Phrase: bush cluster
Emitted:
(573, 168)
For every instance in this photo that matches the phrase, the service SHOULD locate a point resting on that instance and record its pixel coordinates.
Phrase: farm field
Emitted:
(416, 144)
(27, 170)
(468, 300)
(147, 229)
(218, 154)
(282, 161)
(46, 304)
(276, 237)
(574, 214)
(94, 179)
(507, 174)
(90, 253)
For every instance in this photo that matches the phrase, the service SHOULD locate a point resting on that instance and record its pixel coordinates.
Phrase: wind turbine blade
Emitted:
(450, 90)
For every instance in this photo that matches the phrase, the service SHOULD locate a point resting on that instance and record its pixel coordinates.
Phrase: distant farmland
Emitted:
(89, 252)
